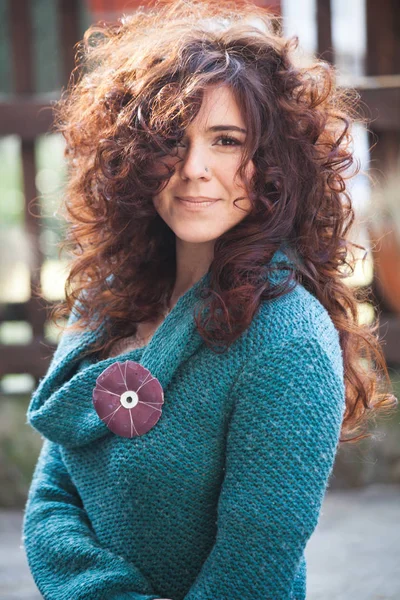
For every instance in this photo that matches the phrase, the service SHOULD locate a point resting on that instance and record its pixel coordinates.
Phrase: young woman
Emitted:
(193, 409)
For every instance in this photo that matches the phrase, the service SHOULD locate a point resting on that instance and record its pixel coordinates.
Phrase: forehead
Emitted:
(219, 107)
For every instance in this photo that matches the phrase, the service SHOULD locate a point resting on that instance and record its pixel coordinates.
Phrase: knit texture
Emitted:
(218, 500)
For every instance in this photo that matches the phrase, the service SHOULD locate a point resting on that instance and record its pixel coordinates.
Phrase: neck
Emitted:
(192, 262)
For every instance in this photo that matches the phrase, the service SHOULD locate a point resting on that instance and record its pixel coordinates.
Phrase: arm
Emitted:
(281, 446)
(64, 556)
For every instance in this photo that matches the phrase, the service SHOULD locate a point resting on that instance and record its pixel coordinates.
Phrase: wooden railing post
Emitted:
(23, 70)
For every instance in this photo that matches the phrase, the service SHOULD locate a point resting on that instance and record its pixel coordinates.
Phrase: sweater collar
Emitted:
(61, 408)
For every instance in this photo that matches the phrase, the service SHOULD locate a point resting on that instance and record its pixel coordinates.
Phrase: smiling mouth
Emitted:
(195, 204)
(197, 200)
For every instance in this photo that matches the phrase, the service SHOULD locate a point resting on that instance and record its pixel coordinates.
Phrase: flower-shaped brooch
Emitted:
(128, 399)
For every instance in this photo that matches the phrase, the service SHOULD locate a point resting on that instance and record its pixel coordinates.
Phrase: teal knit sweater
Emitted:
(218, 500)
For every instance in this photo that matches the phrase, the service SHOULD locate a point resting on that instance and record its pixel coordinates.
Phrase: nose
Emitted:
(196, 164)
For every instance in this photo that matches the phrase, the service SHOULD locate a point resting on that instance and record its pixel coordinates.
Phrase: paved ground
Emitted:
(354, 553)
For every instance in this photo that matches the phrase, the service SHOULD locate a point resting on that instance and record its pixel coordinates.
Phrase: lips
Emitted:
(195, 204)
(197, 199)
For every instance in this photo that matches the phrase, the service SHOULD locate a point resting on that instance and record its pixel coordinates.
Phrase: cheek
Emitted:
(250, 169)
(159, 203)
(160, 198)
(163, 169)
(239, 183)
(240, 187)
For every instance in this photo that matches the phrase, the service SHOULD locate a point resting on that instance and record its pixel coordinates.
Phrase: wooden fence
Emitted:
(26, 114)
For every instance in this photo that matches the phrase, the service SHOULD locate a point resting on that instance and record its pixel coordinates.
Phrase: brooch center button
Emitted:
(129, 399)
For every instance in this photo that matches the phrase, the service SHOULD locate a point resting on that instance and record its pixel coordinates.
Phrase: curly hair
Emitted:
(138, 83)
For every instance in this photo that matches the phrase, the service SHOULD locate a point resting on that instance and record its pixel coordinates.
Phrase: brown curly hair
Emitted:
(139, 82)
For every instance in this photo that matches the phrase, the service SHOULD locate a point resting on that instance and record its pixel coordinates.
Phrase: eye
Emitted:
(173, 144)
(178, 143)
(174, 141)
(228, 141)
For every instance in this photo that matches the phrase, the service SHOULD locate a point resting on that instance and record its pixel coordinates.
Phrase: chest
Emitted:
(176, 465)
(142, 337)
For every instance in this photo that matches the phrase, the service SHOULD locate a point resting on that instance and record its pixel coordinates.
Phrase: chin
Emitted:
(196, 239)
(189, 235)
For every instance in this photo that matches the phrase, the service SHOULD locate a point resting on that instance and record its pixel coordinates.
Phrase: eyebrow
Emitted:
(226, 128)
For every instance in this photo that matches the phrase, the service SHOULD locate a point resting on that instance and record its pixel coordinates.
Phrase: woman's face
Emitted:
(197, 203)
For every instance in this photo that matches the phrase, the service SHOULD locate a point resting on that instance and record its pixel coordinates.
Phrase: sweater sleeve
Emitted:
(65, 558)
(281, 445)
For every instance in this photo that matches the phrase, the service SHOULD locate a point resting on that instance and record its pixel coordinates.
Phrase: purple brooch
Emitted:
(128, 399)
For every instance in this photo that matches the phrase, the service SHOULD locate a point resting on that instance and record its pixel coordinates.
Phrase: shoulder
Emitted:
(293, 362)
(293, 321)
